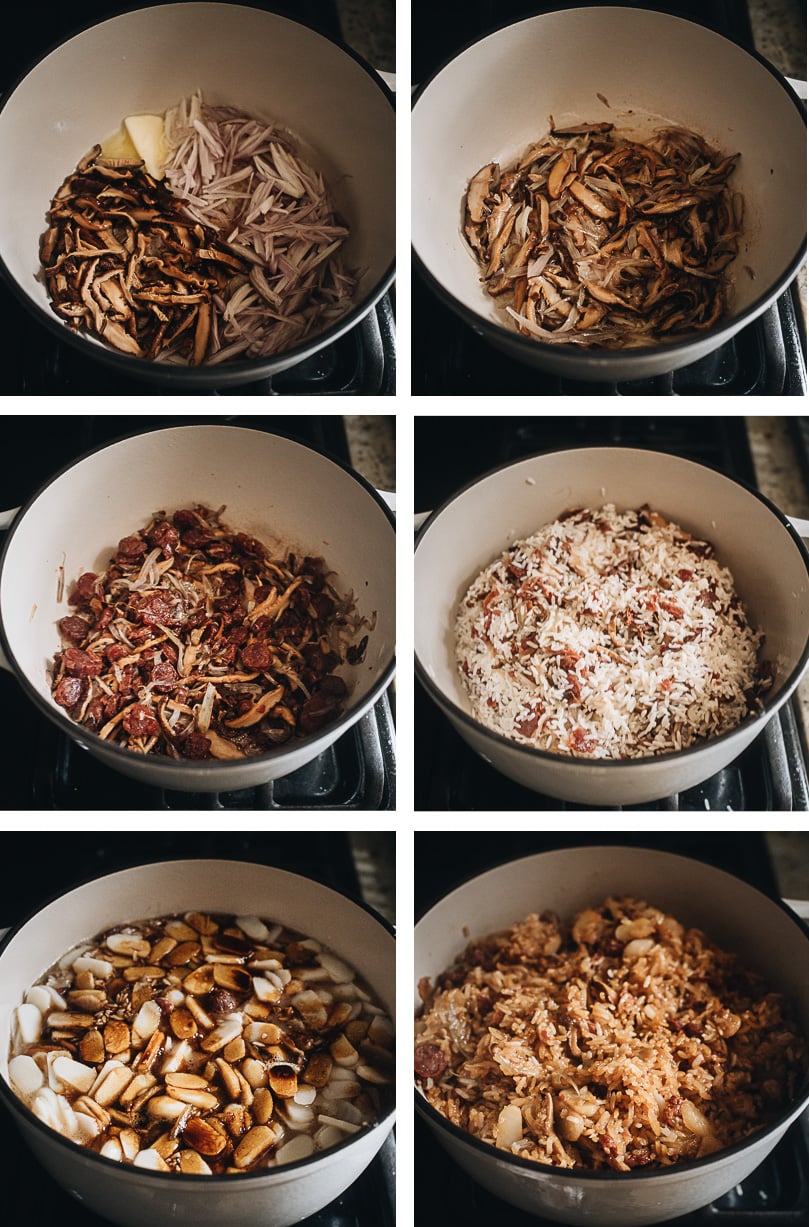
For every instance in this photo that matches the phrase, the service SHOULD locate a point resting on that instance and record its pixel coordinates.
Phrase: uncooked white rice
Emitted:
(619, 1040)
(608, 634)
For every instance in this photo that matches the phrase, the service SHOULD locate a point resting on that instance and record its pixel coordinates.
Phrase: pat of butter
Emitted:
(119, 146)
(147, 134)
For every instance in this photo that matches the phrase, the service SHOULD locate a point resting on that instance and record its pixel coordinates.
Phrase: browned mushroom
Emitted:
(120, 261)
(591, 238)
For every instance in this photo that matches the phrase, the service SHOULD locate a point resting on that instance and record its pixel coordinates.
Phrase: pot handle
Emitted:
(799, 88)
(6, 520)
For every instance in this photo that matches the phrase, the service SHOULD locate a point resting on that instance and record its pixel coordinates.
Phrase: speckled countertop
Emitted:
(369, 26)
(780, 478)
(779, 32)
(372, 446)
(789, 851)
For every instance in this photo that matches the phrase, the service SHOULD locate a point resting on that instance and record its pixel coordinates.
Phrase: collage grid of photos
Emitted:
(280, 692)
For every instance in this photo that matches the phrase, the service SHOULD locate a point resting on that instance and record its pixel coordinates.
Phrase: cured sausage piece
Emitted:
(256, 656)
(100, 710)
(74, 629)
(81, 664)
(429, 1061)
(196, 745)
(164, 677)
(196, 538)
(85, 590)
(157, 609)
(140, 722)
(129, 550)
(184, 518)
(164, 536)
(69, 692)
(249, 545)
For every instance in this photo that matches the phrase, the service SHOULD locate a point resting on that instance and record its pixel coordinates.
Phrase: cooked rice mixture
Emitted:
(621, 1040)
(611, 635)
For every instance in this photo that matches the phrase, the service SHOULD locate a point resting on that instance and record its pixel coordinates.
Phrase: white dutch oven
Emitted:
(494, 98)
(133, 1196)
(146, 60)
(763, 550)
(767, 938)
(273, 488)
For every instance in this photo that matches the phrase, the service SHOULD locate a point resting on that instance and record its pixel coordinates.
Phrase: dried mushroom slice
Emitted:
(594, 239)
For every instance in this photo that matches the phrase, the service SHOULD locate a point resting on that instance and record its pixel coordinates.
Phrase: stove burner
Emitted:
(770, 775)
(30, 1194)
(37, 362)
(47, 770)
(776, 1194)
(766, 358)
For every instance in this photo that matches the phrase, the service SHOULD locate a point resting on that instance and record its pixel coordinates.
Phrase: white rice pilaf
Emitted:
(608, 634)
(620, 1040)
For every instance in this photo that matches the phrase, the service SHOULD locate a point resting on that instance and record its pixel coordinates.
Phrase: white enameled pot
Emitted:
(766, 936)
(280, 491)
(133, 1196)
(764, 552)
(147, 60)
(493, 99)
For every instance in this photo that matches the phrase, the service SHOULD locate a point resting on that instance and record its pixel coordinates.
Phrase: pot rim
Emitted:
(14, 1103)
(433, 1117)
(601, 361)
(571, 762)
(233, 767)
(226, 374)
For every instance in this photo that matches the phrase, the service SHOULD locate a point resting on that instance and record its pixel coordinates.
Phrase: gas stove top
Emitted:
(36, 362)
(30, 1194)
(775, 1195)
(45, 770)
(772, 774)
(767, 357)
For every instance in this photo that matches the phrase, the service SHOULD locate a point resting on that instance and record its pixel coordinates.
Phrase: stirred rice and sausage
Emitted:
(608, 634)
(621, 1040)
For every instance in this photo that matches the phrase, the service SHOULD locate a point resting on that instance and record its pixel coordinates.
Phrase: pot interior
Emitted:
(474, 528)
(146, 60)
(203, 885)
(495, 98)
(736, 916)
(272, 488)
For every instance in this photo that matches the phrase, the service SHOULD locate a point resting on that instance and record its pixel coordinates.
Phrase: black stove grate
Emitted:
(766, 358)
(31, 1195)
(45, 769)
(36, 362)
(776, 1194)
(770, 775)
